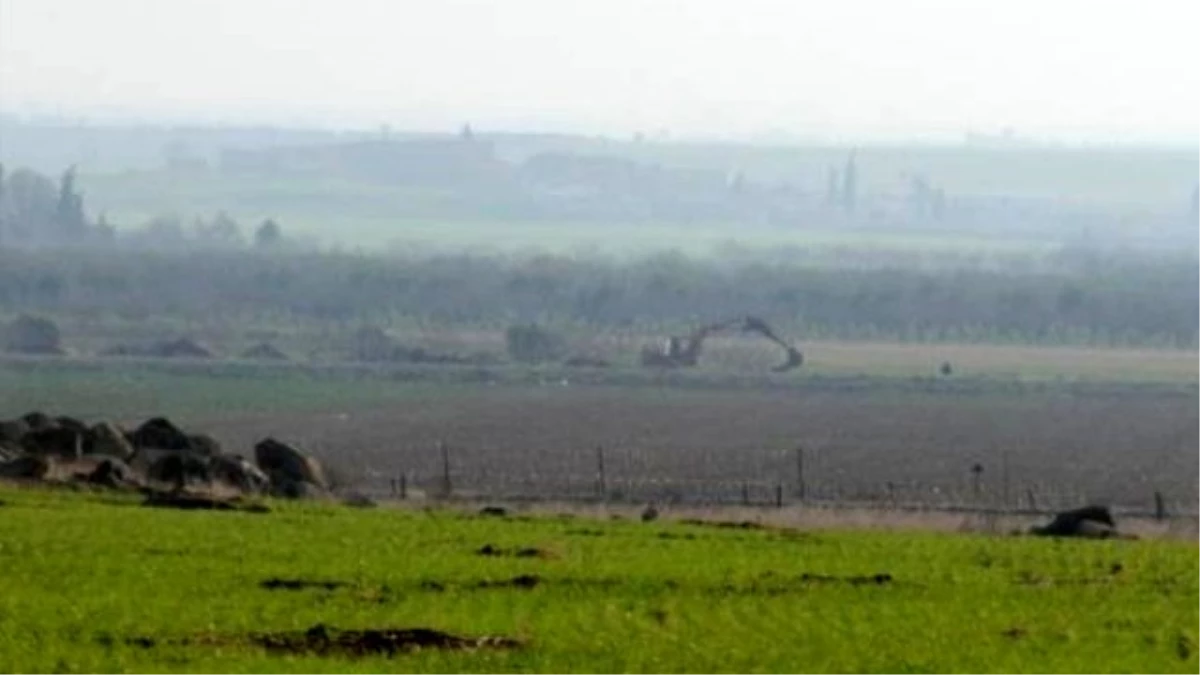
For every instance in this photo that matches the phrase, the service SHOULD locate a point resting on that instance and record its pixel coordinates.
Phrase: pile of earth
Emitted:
(156, 455)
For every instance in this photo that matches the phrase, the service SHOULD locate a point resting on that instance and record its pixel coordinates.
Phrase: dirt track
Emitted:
(664, 443)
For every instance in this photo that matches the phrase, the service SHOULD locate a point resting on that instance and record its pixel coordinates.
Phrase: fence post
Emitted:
(404, 485)
(392, 485)
(745, 494)
(1032, 499)
(977, 482)
(602, 480)
(447, 486)
(801, 491)
(1004, 479)
(779, 495)
(1160, 506)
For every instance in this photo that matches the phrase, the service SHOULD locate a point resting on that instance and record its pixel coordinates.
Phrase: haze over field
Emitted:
(1113, 72)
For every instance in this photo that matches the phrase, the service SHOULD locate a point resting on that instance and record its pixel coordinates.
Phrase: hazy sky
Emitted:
(1095, 69)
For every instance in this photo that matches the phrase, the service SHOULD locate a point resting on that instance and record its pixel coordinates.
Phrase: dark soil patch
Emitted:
(277, 584)
(492, 551)
(857, 580)
(323, 640)
(739, 525)
(524, 581)
(188, 502)
(585, 532)
(494, 511)
(1014, 633)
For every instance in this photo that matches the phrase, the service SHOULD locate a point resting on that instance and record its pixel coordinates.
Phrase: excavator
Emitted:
(684, 351)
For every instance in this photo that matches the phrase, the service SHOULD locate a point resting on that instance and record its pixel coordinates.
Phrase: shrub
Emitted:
(531, 343)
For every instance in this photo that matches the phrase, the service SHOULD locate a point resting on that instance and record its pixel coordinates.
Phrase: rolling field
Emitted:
(96, 583)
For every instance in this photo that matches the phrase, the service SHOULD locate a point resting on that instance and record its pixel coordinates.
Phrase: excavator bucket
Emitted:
(794, 360)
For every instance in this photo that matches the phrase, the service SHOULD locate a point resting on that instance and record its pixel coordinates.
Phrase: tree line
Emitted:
(1097, 300)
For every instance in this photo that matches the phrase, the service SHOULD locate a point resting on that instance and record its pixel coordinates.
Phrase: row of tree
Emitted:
(1100, 300)
(37, 211)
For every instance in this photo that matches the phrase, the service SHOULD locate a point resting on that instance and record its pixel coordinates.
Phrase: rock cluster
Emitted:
(155, 455)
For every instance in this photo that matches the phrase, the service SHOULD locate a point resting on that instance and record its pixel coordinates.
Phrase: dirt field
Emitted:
(696, 446)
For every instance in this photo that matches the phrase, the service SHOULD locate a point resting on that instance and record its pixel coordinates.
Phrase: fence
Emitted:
(454, 474)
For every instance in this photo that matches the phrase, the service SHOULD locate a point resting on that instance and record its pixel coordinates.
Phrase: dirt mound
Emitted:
(168, 349)
(264, 351)
(33, 335)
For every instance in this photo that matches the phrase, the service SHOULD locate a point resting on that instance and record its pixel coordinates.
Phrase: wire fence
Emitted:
(453, 476)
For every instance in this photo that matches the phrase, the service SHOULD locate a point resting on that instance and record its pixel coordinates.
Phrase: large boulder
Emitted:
(113, 472)
(161, 434)
(107, 439)
(180, 469)
(204, 444)
(25, 467)
(283, 462)
(237, 472)
(1093, 522)
(58, 441)
(11, 431)
(10, 451)
(33, 335)
(37, 420)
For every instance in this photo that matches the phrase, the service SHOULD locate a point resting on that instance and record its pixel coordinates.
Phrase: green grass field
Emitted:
(100, 584)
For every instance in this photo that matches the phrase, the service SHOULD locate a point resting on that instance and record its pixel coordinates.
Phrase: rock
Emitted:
(238, 472)
(26, 466)
(66, 422)
(37, 420)
(282, 461)
(160, 433)
(10, 451)
(115, 473)
(204, 444)
(108, 439)
(59, 441)
(1095, 522)
(11, 431)
(180, 469)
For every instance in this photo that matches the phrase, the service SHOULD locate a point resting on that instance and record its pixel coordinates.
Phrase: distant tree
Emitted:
(532, 343)
(31, 202)
(68, 213)
(222, 230)
(850, 185)
(466, 133)
(268, 235)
